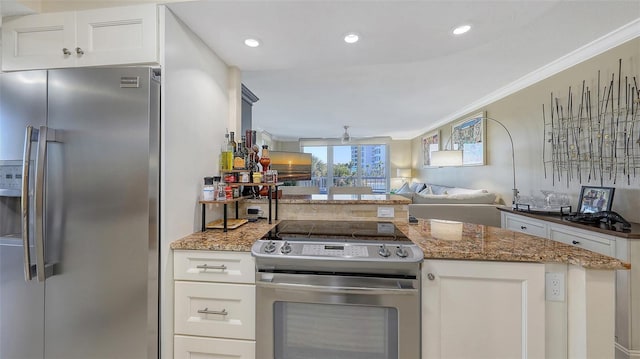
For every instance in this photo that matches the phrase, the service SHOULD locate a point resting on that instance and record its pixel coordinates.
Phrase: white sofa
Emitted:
(452, 203)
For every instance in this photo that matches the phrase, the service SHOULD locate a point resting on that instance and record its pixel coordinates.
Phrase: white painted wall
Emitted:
(521, 113)
(195, 113)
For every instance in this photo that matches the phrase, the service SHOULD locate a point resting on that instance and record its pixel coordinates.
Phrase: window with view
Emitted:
(349, 165)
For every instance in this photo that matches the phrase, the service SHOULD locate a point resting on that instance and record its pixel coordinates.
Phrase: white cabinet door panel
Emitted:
(36, 42)
(483, 310)
(230, 307)
(524, 225)
(230, 267)
(212, 348)
(118, 35)
(599, 244)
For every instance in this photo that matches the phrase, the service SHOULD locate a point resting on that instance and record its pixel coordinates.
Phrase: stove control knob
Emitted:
(402, 252)
(384, 251)
(270, 247)
(286, 248)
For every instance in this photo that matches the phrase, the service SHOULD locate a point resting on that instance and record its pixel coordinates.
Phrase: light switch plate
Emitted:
(385, 212)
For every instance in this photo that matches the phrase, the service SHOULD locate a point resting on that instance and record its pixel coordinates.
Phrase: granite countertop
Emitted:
(631, 233)
(240, 239)
(342, 199)
(437, 239)
(457, 240)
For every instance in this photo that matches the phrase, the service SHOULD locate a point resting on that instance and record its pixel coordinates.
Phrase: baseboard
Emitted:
(624, 353)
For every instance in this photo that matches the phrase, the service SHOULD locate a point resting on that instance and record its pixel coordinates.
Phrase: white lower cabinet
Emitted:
(590, 240)
(212, 348)
(214, 305)
(473, 309)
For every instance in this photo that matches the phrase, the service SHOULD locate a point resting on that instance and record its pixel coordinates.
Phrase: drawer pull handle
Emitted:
(205, 267)
(207, 311)
(575, 242)
(523, 227)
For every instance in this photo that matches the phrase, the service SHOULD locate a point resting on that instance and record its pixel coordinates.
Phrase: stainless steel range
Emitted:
(337, 289)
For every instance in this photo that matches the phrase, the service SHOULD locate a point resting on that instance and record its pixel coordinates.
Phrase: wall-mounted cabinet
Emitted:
(111, 36)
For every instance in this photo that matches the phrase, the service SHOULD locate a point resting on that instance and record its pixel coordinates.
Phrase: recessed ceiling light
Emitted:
(351, 38)
(461, 29)
(252, 42)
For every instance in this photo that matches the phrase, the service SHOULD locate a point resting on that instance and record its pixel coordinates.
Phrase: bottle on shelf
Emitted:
(232, 141)
(208, 189)
(226, 155)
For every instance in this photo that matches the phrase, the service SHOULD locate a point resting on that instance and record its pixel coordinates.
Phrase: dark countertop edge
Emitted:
(633, 234)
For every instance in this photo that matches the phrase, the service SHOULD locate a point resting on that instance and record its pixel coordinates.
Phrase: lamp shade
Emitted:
(446, 158)
(403, 172)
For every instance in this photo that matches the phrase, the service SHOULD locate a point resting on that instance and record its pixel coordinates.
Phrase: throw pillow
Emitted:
(404, 189)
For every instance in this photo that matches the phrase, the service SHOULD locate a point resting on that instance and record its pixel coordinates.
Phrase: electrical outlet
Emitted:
(554, 286)
(385, 212)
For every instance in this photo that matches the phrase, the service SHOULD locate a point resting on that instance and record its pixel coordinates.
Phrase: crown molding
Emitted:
(596, 47)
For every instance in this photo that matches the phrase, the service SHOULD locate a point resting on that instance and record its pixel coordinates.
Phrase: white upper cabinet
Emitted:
(111, 36)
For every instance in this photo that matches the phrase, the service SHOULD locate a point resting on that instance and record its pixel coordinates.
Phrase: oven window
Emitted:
(323, 331)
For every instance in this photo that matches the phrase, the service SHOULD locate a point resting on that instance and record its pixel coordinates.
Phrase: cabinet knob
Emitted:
(431, 276)
(523, 227)
(66, 51)
(79, 51)
(575, 242)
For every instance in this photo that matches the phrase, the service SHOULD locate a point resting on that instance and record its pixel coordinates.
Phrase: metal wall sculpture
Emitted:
(597, 138)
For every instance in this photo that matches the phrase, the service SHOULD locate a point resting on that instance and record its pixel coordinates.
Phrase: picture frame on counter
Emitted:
(595, 199)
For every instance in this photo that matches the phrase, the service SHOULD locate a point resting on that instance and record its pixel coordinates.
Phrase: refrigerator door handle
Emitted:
(26, 166)
(41, 159)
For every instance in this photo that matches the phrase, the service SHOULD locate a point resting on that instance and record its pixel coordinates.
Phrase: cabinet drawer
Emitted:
(522, 225)
(212, 348)
(230, 307)
(583, 240)
(210, 266)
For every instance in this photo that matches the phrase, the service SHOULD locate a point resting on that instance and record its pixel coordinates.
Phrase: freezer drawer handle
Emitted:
(207, 311)
(26, 164)
(205, 267)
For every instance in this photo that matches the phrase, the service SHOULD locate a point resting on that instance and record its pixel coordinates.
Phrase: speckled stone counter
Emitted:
(345, 199)
(355, 207)
(466, 241)
(438, 240)
(240, 239)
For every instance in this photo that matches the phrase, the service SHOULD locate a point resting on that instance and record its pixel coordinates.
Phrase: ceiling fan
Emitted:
(346, 137)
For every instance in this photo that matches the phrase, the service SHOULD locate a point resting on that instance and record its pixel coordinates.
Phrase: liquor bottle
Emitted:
(232, 141)
(226, 155)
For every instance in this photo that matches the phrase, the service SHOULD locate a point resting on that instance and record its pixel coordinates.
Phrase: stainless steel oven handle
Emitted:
(24, 201)
(337, 290)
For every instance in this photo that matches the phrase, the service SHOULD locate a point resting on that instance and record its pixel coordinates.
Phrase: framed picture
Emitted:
(468, 136)
(595, 199)
(430, 143)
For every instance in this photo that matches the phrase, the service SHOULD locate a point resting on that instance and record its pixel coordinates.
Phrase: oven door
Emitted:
(308, 316)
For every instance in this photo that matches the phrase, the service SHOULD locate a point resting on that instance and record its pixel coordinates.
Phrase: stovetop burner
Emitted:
(310, 245)
(341, 231)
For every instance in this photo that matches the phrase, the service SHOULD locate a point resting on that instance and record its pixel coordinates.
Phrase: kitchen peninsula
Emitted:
(482, 286)
(356, 207)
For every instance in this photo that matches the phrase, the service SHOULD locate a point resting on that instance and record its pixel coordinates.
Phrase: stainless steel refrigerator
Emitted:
(79, 213)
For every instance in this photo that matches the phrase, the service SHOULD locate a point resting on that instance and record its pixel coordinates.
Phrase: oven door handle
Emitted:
(337, 289)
